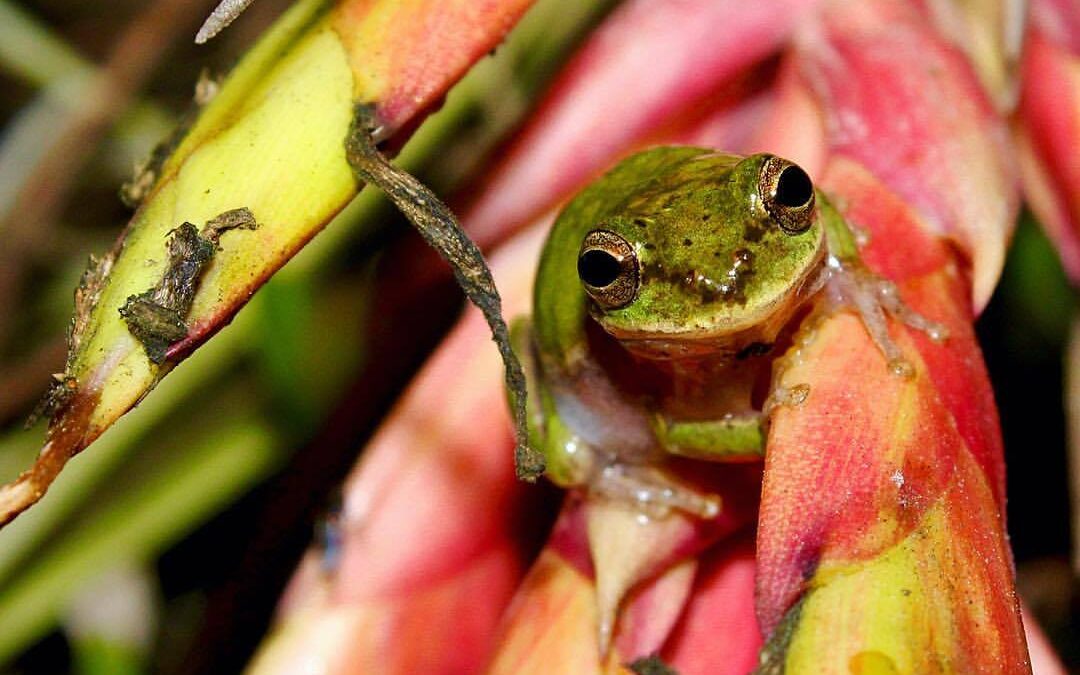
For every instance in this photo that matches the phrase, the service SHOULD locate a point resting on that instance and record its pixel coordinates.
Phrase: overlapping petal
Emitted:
(434, 524)
(882, 543)
(881, 539)
(650, 62)
(903, 102)
(1048, 125)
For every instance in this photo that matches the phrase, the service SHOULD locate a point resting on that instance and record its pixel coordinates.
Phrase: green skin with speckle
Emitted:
(675, 369)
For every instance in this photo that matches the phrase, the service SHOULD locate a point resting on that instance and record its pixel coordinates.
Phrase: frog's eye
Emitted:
(608, 268)
(788, 195)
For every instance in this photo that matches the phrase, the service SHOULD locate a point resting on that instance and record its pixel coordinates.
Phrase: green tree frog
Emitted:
(664, 292)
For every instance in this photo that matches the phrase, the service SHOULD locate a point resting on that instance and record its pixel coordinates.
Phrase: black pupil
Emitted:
(793, 188)
(598, 268)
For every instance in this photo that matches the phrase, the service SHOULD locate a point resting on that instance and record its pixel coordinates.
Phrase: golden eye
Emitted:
(788, 195)
(608, 269)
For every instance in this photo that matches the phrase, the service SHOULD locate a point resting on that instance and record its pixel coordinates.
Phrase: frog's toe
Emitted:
(889, 299)
(783, 396)
(872, 297)
(652, 491)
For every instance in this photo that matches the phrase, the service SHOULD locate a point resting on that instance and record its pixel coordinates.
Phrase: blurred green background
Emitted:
(165, 546)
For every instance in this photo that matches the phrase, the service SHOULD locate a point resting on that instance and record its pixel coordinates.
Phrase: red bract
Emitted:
(905, 104)
(1048, 128)
(875, 504)
(431, 550)
(648, 63)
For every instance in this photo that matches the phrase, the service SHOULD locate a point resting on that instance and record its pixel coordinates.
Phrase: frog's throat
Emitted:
(755, 340)
(743, 339)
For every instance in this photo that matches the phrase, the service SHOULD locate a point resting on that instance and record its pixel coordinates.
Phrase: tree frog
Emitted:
(664, 292)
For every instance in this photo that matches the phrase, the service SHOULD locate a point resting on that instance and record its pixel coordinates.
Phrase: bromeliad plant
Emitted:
(880, 538)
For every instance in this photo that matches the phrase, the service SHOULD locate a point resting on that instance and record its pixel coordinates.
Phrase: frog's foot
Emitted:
(782, 396)
(652, 491)
(851, 285)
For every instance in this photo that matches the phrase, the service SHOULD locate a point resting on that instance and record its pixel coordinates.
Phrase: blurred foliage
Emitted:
(1024, 332)
(1035, 291)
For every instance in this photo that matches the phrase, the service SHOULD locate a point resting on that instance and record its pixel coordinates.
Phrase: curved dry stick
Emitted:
(225, 13)
(442, 232)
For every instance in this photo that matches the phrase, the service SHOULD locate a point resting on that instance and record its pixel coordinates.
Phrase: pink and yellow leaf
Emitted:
(882, 541)
(271, 141)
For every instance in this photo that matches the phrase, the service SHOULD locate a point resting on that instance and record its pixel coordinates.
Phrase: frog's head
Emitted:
(714, 251)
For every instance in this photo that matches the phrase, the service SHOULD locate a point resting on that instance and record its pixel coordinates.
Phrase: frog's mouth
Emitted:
(754, 341)
(724, 341)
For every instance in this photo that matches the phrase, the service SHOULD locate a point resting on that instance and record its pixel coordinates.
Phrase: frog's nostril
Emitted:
(598, 268)
(793, 187)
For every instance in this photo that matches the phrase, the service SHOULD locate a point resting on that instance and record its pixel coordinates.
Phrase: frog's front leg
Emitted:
(848, 283)
(567, 462)
(573, 463)
(732, 438)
